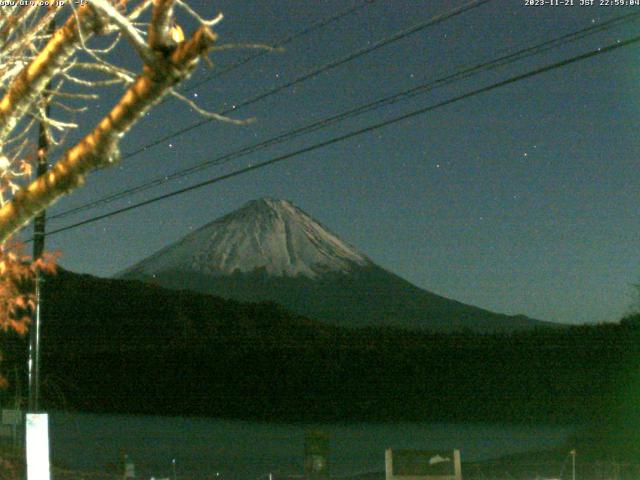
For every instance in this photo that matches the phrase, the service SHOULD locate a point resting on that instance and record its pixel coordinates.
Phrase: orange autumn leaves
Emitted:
(17, 281)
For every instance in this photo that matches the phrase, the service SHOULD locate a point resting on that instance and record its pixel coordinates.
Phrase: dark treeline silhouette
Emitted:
(123, 346)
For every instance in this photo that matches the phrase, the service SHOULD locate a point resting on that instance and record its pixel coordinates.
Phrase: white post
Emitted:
(388, 464)
(457, 465)
(129, 468)
(37, 438)
(573, 464)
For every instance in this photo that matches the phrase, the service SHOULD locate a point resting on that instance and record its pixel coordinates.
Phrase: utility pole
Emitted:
(573, 464)
(38, 249)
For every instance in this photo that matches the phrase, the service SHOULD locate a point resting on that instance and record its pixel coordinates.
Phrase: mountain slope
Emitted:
(271, 250)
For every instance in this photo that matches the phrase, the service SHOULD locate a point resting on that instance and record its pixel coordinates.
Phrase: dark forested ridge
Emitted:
(123, 346)
(365, 297)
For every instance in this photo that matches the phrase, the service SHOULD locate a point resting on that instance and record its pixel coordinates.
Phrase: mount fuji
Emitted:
(270, 250)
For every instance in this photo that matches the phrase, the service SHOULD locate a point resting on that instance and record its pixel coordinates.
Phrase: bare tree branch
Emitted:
(160, 27)
(209, 23)
(126, 27)
(208, 114)
(100, 147)
(26, 87)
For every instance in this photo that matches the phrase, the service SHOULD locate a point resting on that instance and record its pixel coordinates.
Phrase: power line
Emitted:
(406, 94)
(415, 113)
(285, 41)
(317, 71)
(278, 44)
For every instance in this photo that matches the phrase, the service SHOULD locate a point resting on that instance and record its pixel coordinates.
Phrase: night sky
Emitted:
(520, 200)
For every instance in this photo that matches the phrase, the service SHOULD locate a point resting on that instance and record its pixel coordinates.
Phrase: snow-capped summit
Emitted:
(267, 235)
